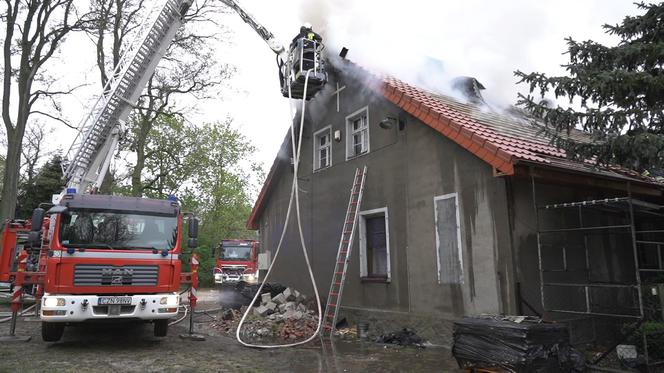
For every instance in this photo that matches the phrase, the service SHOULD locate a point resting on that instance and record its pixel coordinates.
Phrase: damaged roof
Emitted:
(501, 139)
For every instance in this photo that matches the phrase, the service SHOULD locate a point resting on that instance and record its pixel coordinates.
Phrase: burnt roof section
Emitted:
(502, 139)
(135, 205)
(470, 88)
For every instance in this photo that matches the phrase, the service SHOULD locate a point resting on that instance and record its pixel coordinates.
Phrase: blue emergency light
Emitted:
(71, 190)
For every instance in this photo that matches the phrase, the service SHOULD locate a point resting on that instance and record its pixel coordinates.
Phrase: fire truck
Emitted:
(236, 261)
(91, 257)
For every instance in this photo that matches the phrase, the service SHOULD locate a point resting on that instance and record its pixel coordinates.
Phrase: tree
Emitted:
(47, 181)
(615, 93)
(171, 158)
(33, 32)
(187, 69)
(210, 168)
(225, 188)
(32, 152)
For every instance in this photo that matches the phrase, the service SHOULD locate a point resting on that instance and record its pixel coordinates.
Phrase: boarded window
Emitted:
(448, 243)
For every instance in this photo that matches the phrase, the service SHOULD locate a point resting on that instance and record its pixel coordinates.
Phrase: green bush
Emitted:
(654, 332)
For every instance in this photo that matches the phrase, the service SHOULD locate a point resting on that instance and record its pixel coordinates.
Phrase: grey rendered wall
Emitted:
(437, 166)
(406, 169)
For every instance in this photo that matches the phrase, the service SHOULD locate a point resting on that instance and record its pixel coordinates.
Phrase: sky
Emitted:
(421, 41)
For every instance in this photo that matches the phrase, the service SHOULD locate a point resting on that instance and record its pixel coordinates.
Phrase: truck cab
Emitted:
(236, 261)
(112, 258)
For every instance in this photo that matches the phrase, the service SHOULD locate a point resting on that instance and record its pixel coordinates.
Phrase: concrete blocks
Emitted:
(279, 298)
(261, 311)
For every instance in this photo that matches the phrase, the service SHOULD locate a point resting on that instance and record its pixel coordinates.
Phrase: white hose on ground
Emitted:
(22, 313)
(181, 318)
(294, 195)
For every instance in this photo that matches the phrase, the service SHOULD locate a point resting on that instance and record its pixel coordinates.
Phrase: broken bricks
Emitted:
(279, 298)
(283, 306)
(261, 311)
(289, 294)
(271, 306)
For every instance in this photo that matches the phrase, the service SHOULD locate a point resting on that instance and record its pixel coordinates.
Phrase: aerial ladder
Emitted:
(89, 157)
(32, 248)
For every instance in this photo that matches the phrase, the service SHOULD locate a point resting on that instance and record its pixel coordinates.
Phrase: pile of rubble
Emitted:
(289, 304)
(283, 317)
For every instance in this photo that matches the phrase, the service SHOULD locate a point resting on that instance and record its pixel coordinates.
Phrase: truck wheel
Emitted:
(52, 331)
(160, 328)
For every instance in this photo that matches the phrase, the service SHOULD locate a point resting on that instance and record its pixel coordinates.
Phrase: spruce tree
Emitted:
(616, 94)
(48, 181)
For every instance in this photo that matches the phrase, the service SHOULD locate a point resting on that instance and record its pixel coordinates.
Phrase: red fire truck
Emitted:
(103, 257)
(237, 261)
(99, 257)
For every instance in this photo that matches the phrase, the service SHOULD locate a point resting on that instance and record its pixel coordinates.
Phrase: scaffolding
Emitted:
(602, 259)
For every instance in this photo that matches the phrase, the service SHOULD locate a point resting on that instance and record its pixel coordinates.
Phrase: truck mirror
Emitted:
(192, 243)
(35, 235)
(193, 227)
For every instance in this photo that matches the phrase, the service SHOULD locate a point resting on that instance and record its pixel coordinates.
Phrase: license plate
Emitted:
(105, 301)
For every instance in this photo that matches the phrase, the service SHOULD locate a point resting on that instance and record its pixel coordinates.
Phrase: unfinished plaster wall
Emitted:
(437, 167)
(407, 168)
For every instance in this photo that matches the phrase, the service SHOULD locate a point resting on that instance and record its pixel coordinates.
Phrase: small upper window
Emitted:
(357, 128)
(323, 148)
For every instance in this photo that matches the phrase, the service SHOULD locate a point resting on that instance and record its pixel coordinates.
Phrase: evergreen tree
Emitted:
(48, 181)
(616, 94)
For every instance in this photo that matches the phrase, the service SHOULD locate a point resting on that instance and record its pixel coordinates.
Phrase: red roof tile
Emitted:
(501, 139)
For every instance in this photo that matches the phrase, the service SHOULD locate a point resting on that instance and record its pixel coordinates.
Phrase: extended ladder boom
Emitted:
(88, 158)
(264, 33)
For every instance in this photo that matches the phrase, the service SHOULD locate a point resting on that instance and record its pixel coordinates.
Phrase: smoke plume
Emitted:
(429, 43)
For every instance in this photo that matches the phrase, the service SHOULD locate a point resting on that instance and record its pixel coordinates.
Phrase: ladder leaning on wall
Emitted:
(343, 254)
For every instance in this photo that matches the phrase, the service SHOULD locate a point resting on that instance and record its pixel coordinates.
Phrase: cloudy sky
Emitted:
(485, 39)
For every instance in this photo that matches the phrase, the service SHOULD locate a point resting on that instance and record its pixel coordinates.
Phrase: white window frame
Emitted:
(363, 240)
(458, 229)
(349, 132)
(317, 148)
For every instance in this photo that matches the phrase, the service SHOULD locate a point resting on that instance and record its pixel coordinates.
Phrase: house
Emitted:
(466, 211)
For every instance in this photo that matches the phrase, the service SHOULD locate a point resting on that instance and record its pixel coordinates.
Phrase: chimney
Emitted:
(470, 88)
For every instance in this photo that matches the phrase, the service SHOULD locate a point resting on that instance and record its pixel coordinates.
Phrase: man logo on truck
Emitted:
(116, 276)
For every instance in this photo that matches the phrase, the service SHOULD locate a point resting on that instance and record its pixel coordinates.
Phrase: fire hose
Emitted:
(186, 309)
(294, 195)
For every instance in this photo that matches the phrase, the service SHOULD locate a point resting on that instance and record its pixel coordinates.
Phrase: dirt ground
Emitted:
(132, 348)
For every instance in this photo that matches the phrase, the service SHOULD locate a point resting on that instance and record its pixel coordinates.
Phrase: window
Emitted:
(108, 229)
(357, 129)
(323, 148)
(448, 239)
(375, 244)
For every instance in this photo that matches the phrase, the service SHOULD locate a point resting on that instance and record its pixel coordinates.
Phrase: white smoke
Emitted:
(428, 43)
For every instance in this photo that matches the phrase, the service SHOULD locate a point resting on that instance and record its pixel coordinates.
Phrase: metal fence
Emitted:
(601, 270)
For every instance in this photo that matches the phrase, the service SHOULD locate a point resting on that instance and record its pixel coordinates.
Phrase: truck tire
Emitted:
(52, 331)
(160, 328)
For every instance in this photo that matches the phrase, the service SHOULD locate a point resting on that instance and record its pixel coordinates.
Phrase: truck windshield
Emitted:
(235, 253)
(117, 230)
